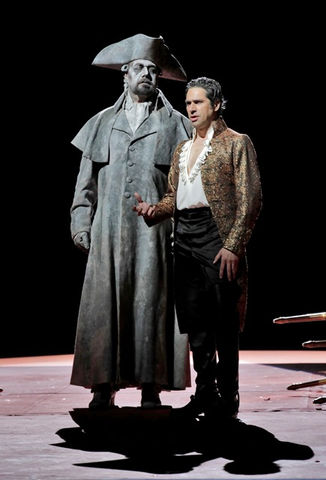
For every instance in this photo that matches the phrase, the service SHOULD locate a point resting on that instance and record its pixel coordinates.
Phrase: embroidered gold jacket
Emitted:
(231, 181)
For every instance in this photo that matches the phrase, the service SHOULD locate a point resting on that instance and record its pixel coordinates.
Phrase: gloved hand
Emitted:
(82, 241)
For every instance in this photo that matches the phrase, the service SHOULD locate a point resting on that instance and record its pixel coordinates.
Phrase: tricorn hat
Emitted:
(141, 47)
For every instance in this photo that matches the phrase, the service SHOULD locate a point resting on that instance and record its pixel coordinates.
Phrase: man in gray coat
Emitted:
(127, 334)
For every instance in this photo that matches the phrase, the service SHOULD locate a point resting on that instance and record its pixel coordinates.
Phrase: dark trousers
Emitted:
(205, 304)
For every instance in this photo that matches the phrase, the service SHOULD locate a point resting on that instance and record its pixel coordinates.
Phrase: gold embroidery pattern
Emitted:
(231, 181)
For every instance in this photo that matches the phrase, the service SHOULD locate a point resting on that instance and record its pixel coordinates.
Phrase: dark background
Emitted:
(270, 64)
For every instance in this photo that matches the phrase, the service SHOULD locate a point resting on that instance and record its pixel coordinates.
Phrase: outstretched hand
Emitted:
(143, 209)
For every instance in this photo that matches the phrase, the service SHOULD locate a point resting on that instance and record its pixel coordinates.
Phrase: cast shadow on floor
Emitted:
(166, 441)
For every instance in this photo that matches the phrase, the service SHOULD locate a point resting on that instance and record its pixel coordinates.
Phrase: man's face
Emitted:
(142, 78)
(199, 108)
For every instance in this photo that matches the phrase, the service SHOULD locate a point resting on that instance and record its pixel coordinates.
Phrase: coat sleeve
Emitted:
(248, 194)
(85, 198)
(166, 206)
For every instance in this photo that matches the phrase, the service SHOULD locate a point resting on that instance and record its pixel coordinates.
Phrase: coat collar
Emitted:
(160, 98)
(219, 126)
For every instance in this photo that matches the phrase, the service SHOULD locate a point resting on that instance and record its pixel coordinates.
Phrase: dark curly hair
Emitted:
(213, 90)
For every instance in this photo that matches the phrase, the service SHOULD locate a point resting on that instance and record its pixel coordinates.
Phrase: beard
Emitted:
(145, 89)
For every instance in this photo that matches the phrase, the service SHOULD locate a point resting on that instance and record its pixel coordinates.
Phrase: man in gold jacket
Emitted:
(214, 195)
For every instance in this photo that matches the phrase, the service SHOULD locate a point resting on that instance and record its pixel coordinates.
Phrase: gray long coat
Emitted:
(126, 331)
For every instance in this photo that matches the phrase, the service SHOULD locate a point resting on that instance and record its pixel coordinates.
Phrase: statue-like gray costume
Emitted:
(127, 333)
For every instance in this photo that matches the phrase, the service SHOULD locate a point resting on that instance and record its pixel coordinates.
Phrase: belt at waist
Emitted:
(194, 212)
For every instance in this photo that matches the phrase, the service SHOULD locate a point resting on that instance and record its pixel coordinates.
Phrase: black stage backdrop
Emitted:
(271, 67)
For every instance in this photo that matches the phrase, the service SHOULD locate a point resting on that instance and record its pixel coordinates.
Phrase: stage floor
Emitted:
(40, 440)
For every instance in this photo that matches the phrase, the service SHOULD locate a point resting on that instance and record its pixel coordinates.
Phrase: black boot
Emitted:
(229, 405)
(202, 404)
(203, 347)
